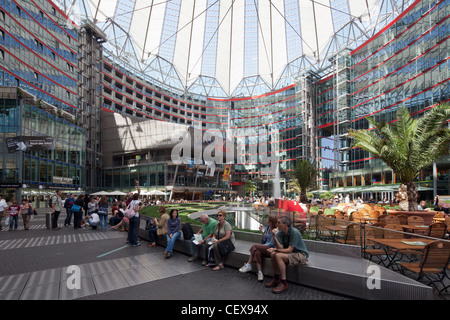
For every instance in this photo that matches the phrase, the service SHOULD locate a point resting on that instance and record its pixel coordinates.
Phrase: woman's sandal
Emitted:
(218, 267)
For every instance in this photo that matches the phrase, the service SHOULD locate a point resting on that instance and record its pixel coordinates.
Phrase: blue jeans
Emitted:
(171, 241)
(103, 221)
(152, 234)
(15, 219)
(132, 231)
(92, 224)
(194, 247)
(68, 217)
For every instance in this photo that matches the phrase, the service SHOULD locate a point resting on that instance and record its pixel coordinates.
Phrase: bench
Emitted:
(337, 268)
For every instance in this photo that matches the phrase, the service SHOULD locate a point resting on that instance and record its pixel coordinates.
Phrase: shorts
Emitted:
(297, 258)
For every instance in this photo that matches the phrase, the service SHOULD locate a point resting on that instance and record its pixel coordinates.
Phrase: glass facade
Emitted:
(406, 64)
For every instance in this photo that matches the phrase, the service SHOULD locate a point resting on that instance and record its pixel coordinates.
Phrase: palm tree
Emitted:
(408, 145)
(303, 177)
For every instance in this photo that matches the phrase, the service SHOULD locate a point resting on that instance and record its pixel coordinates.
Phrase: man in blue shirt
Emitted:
(290, 250)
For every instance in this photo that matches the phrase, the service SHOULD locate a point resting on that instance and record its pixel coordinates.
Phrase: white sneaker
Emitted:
(260, 276)
(246, 268)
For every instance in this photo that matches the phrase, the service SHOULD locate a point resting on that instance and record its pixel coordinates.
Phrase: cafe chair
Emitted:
(415, 221)
(432, 266)
(349, 237)
(437, 230)
(391, 220)
(403, 219)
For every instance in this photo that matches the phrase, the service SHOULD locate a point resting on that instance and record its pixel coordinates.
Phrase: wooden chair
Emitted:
(437, 230)
(391, 220)
(433, 264)
(374, 214)
(393, 231)
(357, 217)
(415, 221)
(324, 220)
(403, 219)
(349, 237)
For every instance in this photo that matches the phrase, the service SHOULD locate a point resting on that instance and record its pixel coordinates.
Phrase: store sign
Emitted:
(23, 143)
(62, 180)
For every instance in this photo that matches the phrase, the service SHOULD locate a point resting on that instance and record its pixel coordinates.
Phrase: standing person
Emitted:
(222, 233)
(68, 203)
(103, 212)
(290, 250)
(207, 230)
(57, 206)
(92, 206)
(14, 213)
(259, 250)
(77, 210)
(173, 232)
(3, 207)
(27, 210)
(135, 204)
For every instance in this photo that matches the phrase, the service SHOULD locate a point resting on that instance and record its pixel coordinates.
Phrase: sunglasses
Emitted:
(220, 215)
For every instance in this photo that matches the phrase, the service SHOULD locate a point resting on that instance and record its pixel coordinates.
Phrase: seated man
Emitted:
(93, 220)
(422, 205)
(290, 250)
(207, 230)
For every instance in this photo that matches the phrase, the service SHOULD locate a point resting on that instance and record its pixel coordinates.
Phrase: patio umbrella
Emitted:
(157, 193)
(100, 193)
(118, 193)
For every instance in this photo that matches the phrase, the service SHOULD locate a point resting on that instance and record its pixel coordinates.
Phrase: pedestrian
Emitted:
(68, 203)
(103, 212)
(27, 211)
(3, 207)
(14, 212)
(57, 206)
(290, 250)
(77, 210)
(135, 204)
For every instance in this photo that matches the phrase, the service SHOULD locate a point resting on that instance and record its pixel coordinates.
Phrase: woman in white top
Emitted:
(134, 221)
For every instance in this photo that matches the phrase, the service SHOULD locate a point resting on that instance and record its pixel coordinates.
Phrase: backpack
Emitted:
(187, 230)
(129, 211)
(50, 201)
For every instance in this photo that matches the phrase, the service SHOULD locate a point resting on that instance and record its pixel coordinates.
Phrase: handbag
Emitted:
(225, 247)
(75, 208)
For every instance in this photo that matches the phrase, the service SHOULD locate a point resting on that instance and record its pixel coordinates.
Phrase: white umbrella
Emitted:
(157, 193)
(118, 193)
(100, 193)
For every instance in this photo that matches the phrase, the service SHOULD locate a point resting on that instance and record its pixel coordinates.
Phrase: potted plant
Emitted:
(407, 145)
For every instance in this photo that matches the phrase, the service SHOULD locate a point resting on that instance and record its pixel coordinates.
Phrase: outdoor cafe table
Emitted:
(335, 229)
(414, 244)
(414, 228)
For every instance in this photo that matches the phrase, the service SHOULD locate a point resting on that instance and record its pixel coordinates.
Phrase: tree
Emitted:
(250, 187)
(303, 177)
(407, 145)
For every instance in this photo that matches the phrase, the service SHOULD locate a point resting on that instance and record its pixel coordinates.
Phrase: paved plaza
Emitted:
(35, 267)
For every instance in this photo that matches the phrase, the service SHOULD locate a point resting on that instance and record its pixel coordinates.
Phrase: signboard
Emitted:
(226, 173)
(23, 143)
(62, 180)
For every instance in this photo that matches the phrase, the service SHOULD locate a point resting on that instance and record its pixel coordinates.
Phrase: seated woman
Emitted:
(259, 250)
(220, 241)
(173, 232)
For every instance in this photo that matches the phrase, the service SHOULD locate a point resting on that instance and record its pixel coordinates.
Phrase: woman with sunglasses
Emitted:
(222, 233)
